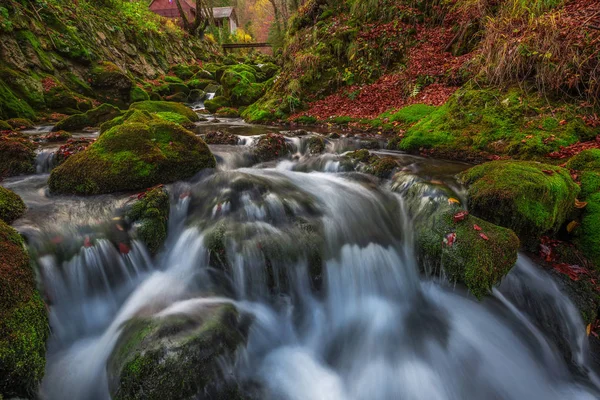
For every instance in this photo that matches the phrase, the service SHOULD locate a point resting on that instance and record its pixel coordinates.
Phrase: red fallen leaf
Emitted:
(450, 239)
(460, 216)
(483, 236)
(124, 249)
(563, 122)
(476, 227)
(87, 242)
(548, 172)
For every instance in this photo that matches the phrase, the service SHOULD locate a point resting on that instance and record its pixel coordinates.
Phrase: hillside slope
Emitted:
(57, 55)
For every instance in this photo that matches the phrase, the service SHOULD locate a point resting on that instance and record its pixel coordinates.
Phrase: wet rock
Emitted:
(383, 167)
(218, 102)
(530, 198)
(218, 137)
(112, 84)
(270, 147)
(93, 117)
(11, 206)
(227, 112)
(17, 155)
(132, 156)
(23, 320)
(176, 356)
(150, 214)
(60, 136)
(316, 145)
(467, 249)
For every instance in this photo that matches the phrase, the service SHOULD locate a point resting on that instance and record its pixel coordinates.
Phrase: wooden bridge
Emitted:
(232, 46)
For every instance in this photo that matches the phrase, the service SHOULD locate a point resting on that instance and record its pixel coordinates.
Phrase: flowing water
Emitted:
(365, 325)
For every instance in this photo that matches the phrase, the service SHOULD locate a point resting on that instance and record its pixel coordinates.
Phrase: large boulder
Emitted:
(530, 198)
(93, 117)
(467, 249)
(214, 104)
(176, 356)
(11, 206)
(111, 83)
(23, 320)
(131, 156)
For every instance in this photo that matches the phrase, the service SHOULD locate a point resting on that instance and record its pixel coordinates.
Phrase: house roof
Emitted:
(189, 3)
(222, 12)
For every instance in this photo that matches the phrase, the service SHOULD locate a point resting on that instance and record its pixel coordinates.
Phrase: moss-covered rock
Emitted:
(316, 145)
(227, 112)
(138, 94)
(587, 160)
(244, 94)
(204, 74)
(269, 70)
(132, 156)
(20, 123)
(11, 206)
(150, 214)
(23, 320)
(60, 136)
(383, 167)
(11, 105)
(214, 104)
(111, 83)
(476, 123)
(468, 249)
(218, 137)
(176, 118)
(176, 357)
(17, 156)
(94, 117)
(201, 84)
(530, 198)
(196, 95)
(165, 106)
(270, 147)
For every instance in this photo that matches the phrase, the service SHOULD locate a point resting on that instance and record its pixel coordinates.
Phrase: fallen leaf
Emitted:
(580, 204)
(460, 216)
(572, 225)
(483, 236)
(548, 172)
(450, 239)
(452, 200)
(123, 248)
(588, 329)
(476, 227)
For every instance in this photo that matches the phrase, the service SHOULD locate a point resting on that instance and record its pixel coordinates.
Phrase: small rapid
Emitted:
(320, 258)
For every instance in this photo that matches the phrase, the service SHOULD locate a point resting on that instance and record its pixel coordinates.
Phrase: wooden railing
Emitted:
(230, 46)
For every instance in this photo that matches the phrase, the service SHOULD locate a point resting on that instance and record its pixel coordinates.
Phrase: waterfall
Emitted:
(322, 260)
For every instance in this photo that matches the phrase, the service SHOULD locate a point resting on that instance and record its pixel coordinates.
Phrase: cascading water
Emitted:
(322, 262)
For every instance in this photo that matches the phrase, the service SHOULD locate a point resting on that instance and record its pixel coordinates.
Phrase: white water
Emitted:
(377, 329)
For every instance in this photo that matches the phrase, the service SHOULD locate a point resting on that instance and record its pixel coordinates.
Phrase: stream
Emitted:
(371, 327)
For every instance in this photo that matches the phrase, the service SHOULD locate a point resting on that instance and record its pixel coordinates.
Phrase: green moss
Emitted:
(175, 357)
(383, 167)
(12, 106)
(201, 84)
(587, 160)
(361, 155)
(244, 94)
(173, 79)
(93, 117)
(476, 122)
(342, 120)
(20, 123)
(17, 156)
(196, 95)
(227, 112)
(455, 246)
(164, 106)
(531, 198)
(589, 233)
(138, 94)
(23, 321)
(133, 156)
(25, 87)
(217, 102)
(203, 75)
(405, 117)
(4, 126)
(11, 206)
(150, 214)
(256, 114)
(174, 117)
(590, 184)
(316, 145)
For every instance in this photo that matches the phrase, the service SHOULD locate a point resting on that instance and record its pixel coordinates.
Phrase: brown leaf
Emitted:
(580, 204)
(572, 225)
